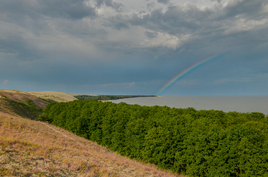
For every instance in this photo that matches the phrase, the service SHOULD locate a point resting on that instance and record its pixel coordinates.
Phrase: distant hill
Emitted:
(56, 96)
(108, 97)
(34, 148)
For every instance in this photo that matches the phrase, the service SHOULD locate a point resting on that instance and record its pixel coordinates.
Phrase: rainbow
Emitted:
(186, 71)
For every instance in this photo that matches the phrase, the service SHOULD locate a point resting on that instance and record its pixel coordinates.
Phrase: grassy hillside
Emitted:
(33, 148)
(54, 96)
(21, 104)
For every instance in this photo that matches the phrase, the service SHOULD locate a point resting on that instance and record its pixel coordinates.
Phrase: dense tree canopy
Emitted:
(196, 143)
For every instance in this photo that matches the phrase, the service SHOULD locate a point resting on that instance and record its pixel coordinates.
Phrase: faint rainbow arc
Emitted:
(186, 71)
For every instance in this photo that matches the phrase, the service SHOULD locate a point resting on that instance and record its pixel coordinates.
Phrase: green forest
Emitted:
(186, 141)
(108, 97)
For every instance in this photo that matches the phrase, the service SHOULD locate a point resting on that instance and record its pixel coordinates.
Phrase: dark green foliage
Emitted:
(27, 109)
(48, 100)
(108, 97)
(196, 143)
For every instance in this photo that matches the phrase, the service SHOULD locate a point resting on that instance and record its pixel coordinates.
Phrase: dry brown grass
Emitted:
(21, 97)
(32, 148)
(56, 96)
(48, 95)
(16, 103)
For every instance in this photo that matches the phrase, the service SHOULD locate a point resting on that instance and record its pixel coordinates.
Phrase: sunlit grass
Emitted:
(33, 147)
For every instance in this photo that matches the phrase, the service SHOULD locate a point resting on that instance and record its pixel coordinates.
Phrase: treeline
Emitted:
(108, 97)
(196, 143)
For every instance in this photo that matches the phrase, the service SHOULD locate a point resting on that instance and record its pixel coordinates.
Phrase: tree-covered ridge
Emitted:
(108, 97)
(197, 143)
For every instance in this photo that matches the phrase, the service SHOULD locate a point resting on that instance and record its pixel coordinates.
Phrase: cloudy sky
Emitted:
(134, 47)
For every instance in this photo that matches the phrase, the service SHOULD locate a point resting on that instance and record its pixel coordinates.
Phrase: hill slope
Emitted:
(56, 96)
(33, 148)
(20, 103)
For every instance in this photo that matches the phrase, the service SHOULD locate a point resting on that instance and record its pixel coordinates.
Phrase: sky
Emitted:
(134, 47)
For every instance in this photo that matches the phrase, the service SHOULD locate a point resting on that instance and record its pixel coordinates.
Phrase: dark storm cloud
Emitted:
(251, 9)
(30, 27)
(189, 17)
(118, 24)
(163, 1)
(220, 25)
(46, 42)
(56, 9)
(109, 3)
(66, 9)
(150, 34)
(150, 5)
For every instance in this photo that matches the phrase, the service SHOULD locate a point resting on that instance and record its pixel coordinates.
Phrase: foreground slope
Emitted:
(33, 148)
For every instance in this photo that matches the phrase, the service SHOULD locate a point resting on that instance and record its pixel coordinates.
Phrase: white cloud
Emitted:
(265, 8)
(165, 40)
(106, 11)
(242, 24)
